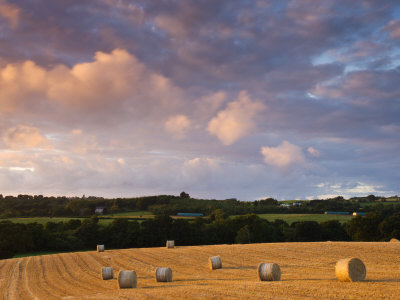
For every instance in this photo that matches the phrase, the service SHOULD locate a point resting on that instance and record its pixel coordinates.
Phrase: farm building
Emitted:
(100, 210)
(190, 214)
(357, 213)
(336, 213)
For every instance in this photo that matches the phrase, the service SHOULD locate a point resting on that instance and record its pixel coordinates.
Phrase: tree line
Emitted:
(39, 206)
(76, 235)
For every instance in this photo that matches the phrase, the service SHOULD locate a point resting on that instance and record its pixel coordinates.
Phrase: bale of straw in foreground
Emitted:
(170, 244)
(100, 248)
(163, 274)
(269, 272)
(107, 273)
(393, 240)
(127, 279)
(350, 269)
(215, 262)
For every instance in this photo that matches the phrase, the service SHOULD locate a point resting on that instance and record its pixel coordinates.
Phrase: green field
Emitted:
(107, 219)
(290, 218)
(136, 214)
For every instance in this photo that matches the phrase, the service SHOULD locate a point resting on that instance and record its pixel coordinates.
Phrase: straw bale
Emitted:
(127, 279)
(350, 269)
(215, 262)
(170, 244)
(107, 273)
(163, 274)
(269, 272)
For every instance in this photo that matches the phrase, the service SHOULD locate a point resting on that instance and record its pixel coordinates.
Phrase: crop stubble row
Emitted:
(307, 272)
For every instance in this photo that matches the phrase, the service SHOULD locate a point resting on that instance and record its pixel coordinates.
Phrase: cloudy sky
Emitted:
(221, 99)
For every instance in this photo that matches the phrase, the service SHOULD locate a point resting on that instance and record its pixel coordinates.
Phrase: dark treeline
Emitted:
(38, 205)
(218, 229)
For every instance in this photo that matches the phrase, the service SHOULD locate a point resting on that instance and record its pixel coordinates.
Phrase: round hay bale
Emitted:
(107, 273)
(100, 248)
(269, 272)
(393, 240)
(170, 244)
(350, 269)
(163, 274)
(215, 262)
(127, 279)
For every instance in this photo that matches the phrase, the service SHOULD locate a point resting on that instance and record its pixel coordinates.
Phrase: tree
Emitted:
(390, 227)
(366, 228)
(218, 215)
(88, 232)
(184, 195)
(243, 235)
(307, 231)
(14, 239)
(333, 231)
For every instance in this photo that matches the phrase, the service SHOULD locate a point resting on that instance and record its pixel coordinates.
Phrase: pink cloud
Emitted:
(177, 126)
(283, 156)
(393, 28)
(22, 136)
(237, 120)
(11, 13)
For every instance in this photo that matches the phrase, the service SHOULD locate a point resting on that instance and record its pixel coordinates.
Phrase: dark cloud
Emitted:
(325, 74)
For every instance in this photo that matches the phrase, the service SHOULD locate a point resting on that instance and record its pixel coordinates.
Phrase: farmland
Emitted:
(307, 272)
(290, 218)
(108, 218)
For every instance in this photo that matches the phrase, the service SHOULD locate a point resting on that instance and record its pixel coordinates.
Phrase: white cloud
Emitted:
(327, 196)
(348, 190)
(177, 126)
(237, 120)
(22, 136)
(365, 189)
(283, 156)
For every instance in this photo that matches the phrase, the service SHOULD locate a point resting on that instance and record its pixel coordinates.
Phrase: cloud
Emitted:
(210, 103)
(283, 156)
(200, 168)
(237, 120)
(20, 83)
(314, 152)
(22, 136)
(364, 87)
(393, 28)
(171, 24)
(11, 13)
(177, 126)
(110, 78)
(112, 81)
(106, 81)
(352, 189)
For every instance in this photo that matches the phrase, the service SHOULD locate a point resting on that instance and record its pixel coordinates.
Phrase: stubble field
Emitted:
(307, 273)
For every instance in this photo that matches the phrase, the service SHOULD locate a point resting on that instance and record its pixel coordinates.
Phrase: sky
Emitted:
(238, 99)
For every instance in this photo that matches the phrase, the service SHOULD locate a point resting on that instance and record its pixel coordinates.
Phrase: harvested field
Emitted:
(308, 272)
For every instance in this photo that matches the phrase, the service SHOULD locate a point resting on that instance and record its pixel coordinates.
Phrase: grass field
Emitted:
(307, 273)
(107, 219)
(290, 218)
(141, 214)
